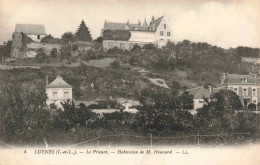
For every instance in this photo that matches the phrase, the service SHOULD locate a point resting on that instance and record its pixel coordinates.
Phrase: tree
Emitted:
(68, 37)
(218, 113)
(54, 53)
(72, 117)
(83, 33)
(41, 56)
(99, 40)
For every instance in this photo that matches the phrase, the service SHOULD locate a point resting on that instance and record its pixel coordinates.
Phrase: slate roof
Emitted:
(131, 27)
(156, 22)
(58, 83)
(236, 79)
(199, 92)
(30, 29)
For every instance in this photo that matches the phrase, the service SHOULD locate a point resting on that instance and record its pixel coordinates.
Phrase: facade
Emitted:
(35, 31)
(158, 33)
(58, 91)
(245, 86)
(199, 94)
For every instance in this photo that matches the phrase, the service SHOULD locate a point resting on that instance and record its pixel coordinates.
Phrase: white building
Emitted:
(247, 87)
(58, 91)
(158, 32)
(199, 94)
(35, 31)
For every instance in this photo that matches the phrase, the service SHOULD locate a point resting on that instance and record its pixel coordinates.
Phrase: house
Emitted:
(199, 93)
(125, 35)
(58, 91)
(34, 31)
(247, 87)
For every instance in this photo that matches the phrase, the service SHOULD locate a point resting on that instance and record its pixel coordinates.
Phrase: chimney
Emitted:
(145, 23)
(223, 77)
(139, 22)
(152, 19)
(47, 80)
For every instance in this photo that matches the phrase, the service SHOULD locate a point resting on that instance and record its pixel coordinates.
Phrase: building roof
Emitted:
(124, 26)
(132, 27)
(30, 29)
(58, 83)
(238, 79)
(199, 92)
(217, 89)
(156, 22)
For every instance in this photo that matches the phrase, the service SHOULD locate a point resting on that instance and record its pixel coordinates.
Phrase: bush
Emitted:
(54, 53)
(41, 56)
(51, 40)
(252, 106)
(115, 64)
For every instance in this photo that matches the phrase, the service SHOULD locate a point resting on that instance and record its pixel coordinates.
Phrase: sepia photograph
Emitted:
(130, 82)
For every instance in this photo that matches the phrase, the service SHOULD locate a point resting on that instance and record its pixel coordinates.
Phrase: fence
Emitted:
(193, 140)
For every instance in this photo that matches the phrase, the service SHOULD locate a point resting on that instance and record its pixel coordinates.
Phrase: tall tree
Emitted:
(83, 33)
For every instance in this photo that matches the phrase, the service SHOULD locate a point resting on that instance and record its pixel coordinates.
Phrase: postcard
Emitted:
(130, 82)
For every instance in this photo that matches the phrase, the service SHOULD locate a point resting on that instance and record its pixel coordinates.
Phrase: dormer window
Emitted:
(164, 26)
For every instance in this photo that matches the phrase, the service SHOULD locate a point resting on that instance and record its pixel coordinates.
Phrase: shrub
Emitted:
(54, 53)
(41, 56)
(115, 64)
(252, 106)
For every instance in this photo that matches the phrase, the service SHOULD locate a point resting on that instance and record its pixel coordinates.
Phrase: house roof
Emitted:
(124, 26)
(35, 29)
(156, 22)
(236, 79)
(58, 83)
(132, 27)
(217, 89)
(199, 92)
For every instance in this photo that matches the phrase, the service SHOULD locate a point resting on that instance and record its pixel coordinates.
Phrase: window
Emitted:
(164, 26)
(245, 92)
(235, 90)
(254, 92)
(38, 37)
(168, 34)
(161, 33)
(55, 95)
(66, 95)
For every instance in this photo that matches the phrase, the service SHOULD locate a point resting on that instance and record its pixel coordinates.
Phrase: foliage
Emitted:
(115, 64)
(65, 52)
(248, 52)
(99, 40)
(26, 39)
(54, 53)
(72, 117)
(50, 40)
(41, 56)
(83, 33)
(121, 35)
(219, 112)
(68, 37)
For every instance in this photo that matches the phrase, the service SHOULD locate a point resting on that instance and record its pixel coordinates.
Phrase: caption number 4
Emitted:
(24, 151)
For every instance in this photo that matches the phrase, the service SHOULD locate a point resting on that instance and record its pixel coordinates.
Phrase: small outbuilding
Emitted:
(58, 91)
(34, 31)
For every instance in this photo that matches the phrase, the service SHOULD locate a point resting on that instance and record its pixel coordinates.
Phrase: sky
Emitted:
(225, 23)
